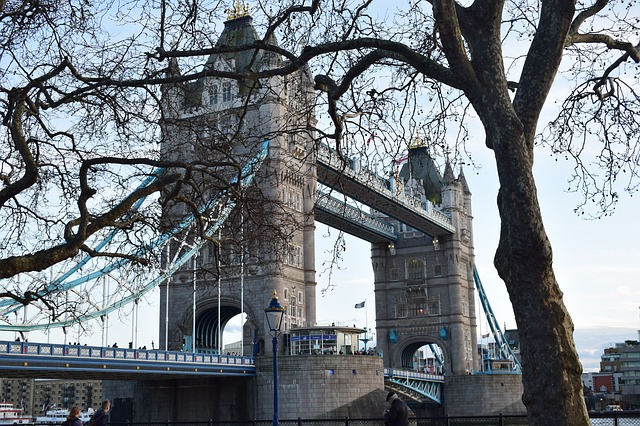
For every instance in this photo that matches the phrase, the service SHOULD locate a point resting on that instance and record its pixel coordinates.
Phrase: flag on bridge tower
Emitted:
(359, 305)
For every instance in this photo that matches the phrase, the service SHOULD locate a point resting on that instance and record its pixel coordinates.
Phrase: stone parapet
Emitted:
(319, 386)
(483, 394)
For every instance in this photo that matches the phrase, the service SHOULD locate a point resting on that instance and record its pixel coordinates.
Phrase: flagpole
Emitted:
(366, 324)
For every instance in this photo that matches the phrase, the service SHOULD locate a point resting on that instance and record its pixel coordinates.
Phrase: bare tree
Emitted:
(85, 122)
(498, 61)
(77, 113)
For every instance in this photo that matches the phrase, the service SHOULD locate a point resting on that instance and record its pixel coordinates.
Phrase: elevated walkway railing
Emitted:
(352, 169)
(122, 354)
(390, 372)
(351, 214)
(415, 385)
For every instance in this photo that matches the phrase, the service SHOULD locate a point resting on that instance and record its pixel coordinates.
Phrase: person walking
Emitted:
(101, 417)
(398, 413)
(73, 419)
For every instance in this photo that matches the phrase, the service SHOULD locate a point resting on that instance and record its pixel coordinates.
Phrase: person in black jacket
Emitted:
(101, 417)
(73, 419)
(398, 412)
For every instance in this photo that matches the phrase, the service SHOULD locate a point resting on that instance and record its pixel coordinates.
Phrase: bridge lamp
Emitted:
(275, 314)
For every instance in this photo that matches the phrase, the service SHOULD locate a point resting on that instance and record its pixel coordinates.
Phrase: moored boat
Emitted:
(59, 415)
(10, 415)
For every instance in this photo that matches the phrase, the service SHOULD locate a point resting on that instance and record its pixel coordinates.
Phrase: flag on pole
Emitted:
(400, 161)
(372, 137)
(359, 305)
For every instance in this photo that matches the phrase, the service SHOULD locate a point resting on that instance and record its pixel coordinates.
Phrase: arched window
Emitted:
(415, 269)
(226, 92)
(213, 95)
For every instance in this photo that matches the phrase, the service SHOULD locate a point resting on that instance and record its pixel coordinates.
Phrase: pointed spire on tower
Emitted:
(173, 69)
(448, 177)
(463, 182)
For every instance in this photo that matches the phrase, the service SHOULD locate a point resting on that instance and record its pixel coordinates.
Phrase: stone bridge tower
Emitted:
(424, 286)
(268, 243)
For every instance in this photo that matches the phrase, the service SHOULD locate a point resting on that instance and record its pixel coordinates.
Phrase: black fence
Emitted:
(616, 418)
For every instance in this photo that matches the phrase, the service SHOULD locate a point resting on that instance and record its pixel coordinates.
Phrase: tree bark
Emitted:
(550, 365)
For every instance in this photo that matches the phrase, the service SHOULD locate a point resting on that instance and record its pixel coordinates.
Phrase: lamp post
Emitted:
(275, 314)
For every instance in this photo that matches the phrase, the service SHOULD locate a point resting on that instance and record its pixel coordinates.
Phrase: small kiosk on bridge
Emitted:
(325, 340)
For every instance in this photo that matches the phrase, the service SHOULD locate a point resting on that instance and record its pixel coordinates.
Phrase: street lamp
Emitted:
(275, 314)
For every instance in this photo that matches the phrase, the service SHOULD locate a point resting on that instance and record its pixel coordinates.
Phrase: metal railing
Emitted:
(597, 419)
(354, 170)
(76, 351)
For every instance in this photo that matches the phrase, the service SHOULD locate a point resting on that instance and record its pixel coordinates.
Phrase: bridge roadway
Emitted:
(59, 361)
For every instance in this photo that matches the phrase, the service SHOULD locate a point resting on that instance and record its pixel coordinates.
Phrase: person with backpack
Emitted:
(101, 417)
(73, 419)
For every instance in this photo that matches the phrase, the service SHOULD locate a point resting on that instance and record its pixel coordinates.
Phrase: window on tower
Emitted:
(226, 92)
(213, 95)
(415, 269)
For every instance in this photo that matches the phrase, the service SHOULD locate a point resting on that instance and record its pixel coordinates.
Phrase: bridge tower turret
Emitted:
(267, 243)
(424, 283)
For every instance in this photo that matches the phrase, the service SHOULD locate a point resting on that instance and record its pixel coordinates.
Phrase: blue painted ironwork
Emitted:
(222, 202)
(362, 219)
(387, 199)
(415, 385)
(57, 284)
(503, 346)
(30, 357)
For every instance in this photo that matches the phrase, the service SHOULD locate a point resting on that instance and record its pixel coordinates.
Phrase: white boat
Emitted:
(9, 415)
(59, 415)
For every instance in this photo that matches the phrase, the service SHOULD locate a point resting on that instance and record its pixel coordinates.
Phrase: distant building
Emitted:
(630, 360)
(513, 339)
(610, 360)
(619, 376)
(234, 348)
(34, 395)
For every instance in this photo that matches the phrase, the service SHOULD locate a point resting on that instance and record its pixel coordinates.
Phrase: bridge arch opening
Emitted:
(423, 356)
(214, 331)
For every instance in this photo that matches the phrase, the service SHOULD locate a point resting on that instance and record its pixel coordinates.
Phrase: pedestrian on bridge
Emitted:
(101, 417)
(73, 419)
(398, 412)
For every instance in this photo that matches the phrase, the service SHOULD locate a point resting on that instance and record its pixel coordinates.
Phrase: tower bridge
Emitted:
(419, 224)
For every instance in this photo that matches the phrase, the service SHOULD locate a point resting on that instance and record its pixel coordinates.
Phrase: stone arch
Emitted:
(402, 356)
(206, 337)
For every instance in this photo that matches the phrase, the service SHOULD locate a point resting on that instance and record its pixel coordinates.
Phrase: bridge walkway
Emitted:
(351, 179)
(61, 361)
(415, 385)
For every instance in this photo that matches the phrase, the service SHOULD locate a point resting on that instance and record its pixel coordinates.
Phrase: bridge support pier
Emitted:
(321, 386)
(483, 394)
(180, 400)
(310, 386)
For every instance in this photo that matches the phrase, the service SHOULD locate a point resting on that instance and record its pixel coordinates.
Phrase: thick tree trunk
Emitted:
(551, 369)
